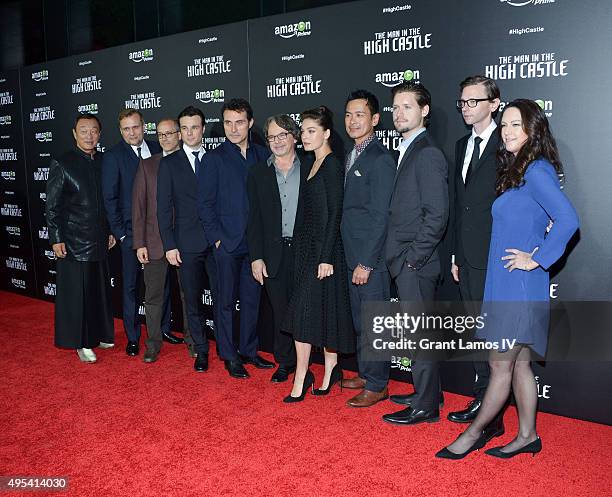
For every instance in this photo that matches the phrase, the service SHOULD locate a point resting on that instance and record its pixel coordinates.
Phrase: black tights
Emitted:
(511, 369)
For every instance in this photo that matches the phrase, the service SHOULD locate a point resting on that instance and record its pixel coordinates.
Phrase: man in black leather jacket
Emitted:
(80, 237)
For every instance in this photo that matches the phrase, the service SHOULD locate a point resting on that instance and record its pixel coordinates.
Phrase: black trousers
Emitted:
(235, 280)
(279, 290)
(471, 287)
(419, 286)
(191, 274)
(378, 288)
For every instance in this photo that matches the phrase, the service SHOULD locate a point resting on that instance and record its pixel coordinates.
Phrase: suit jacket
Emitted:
(145, 227)
(470, 205)
(74, 209)
(264, 227)
(118, 171)
(419, 206)
(223, 203)
(177, 205)
(367, 191)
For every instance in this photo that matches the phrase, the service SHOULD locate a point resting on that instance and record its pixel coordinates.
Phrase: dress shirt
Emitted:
(145, 153)
(406, 142)
(289, 191)
(189, 153)
(485, 135)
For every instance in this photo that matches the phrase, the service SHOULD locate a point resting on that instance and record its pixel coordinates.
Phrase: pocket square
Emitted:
(357, 173)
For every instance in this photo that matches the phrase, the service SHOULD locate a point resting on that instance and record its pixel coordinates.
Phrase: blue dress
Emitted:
(516, 303)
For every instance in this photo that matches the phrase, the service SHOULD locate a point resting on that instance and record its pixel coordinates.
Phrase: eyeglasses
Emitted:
(470, 102)
(281, 137)
(165, 136)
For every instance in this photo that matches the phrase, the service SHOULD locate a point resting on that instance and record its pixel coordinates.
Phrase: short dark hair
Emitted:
(421, 94)
(369, 97)
(129, 112)
(285, 122)
(191, 111)
(322, 115)
(238, 105)
(489, 84)
(86, 115)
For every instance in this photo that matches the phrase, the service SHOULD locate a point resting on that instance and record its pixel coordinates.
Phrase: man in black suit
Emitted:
(119, 168)
(417, 221)
(472, 193)
(370, 173)
(182, 235)
(274, 187)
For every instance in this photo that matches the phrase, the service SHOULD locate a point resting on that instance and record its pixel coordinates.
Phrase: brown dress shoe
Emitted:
(368, 398)
(355, 383)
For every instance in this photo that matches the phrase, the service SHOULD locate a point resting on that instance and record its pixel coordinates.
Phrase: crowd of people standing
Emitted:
(322, 235)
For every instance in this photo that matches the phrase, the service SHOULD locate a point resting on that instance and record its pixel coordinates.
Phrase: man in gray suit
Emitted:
(370, 172)
(417, 219)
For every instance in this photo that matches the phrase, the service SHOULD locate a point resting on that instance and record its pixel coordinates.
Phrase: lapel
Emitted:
(131, 159)
(359, 160)
(489, 149)
(182, 158)
(271, 185)
(407, 155)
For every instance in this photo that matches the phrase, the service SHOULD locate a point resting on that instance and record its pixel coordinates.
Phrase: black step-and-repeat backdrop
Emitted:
(552, 51)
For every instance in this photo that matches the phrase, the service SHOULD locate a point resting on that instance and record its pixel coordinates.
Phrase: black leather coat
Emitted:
(75, 208)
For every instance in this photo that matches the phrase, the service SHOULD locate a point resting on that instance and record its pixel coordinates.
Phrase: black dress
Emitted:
(319, 310)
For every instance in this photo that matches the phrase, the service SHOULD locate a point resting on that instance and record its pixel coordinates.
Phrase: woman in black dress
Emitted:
(319, 310)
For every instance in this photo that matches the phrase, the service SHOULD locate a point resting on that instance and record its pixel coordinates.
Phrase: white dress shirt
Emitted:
(145, 153)
(189, 152)
(485, 135)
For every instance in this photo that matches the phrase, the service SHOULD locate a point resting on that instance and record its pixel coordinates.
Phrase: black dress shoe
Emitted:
(236, 369)
(132, 348)
(406, 400)
(169, 337)
(201, 363)
(411, 416)
(468, 414)
(282, 374)
(477, 445)
(531, 448)
(257, 361)
(150, 356)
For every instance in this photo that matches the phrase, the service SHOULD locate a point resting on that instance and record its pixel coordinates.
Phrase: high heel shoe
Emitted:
(309, 380)
(335, 377)
(531, 448)
(478, 444)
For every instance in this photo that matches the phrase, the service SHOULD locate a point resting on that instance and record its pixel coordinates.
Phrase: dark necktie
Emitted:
(474, 159)
(139, 153)
(196, 162)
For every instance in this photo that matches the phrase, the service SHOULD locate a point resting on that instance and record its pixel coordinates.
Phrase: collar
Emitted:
(406, 142)
(270, 160)
(486, 134)
(85, 155)
(359, 148)
(189, 151)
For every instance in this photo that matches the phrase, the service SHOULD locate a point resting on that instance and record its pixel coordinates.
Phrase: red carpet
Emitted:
(124, 428)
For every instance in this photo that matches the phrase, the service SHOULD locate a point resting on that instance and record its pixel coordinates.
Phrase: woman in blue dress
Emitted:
(524, 244)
